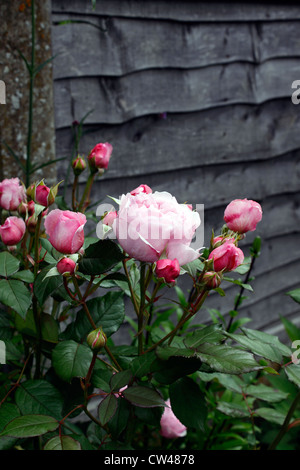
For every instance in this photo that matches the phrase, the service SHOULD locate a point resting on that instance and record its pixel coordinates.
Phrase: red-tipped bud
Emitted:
(78, 165)
(96, 339)
(212, 279)
(168, 270)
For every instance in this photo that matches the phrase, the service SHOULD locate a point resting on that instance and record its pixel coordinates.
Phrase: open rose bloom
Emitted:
(65, 230)
(154, 225)
(12, 193)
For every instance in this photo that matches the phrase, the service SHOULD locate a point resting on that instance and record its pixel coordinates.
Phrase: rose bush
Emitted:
(182, 381)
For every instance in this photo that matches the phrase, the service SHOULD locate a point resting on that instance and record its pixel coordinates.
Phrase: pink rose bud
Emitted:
(66, 266)
(12, 231)
(170, 426)
(99, 156)
(142, 188)
(217, 241)
(12, 193)
(31, 208)
(242, 215)
(65, 230)
(212, 279)
(78, 165)
(168, 270)
(31, 223)
(226, 257)
(109, 218)
(41, 195)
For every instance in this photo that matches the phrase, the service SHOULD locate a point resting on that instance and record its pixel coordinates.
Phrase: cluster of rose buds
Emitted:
(98, 159)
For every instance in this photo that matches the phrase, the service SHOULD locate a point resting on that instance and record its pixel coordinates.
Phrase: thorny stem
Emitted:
(285, 426)
(75, 182)
(35, 309)
(87, 312)
(133, 298)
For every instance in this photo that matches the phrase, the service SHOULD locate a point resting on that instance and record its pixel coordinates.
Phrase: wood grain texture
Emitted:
(239, 133)
(130, 45)
(189, 10)
(115, 100)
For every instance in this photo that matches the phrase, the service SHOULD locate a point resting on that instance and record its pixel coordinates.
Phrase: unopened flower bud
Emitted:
(23, 210)
(12, 231)
(66, 266)
(78, 165)
(99, 157)
(168, 270)
(212, 279)
(31, 223)
(96, 339)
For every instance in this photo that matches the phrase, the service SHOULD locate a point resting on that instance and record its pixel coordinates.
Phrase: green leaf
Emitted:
(141, 365)
(271, 415)
(120, 379)
(293, 373)
(265, 350)
(25, 276)
(107, 311)
(119, 421)
(223, 358)
(168, 351)
(8, 264)
(45, 286)
(71, 359)
(30, 426)
(39, 397)
(255, 248)
(244, 268)
(107, 408)
(62, 443)
(235, 410)
(100, 257)
(295, 295)
(209, 334)
(268, 338)
(27, 326)
(188, 403)
(143, 396)
(14, 294)
(292, 330)
(265, 393)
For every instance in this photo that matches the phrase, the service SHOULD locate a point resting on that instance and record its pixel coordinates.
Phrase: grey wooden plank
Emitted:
(152, 145)
(129, 45)
(188, 10)
(115, 100)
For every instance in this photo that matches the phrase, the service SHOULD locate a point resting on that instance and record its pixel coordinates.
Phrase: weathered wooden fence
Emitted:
(195, 98)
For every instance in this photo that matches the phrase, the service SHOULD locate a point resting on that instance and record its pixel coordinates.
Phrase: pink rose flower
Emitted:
(170, 426)
(242, 215)
(217, 241)
(66, 265)
(99, 156)
(65, 230)
(142, 188)
(12, 231)
(226, 257)
(167, 269)
(12, 193)
(149, 225)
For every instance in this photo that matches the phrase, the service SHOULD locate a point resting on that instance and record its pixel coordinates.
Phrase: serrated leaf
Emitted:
(188, 403)
(30, 426)
(295, 295)
(143, 396)
(46, 286)
(223, 358)
(293, 373)
(25, 276)
(265, 393)
(107, 311)
(258, 347)
(100, 257)
(62, 443)
(120, 379)
(107, 408)
(71, 359)
(209, 334)
(8, 264)
(39, 397)
(235, 410)
(271, 415)
(14, 294)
